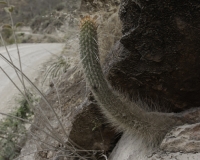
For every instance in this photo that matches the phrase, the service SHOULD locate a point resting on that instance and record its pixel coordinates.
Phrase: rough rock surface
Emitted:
(157, 60)
(184, 138)
(158, 56)
(182, 143)
(91, 131)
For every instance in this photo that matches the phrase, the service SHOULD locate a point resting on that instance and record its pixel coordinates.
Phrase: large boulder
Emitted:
(158, 56)
(157, 60)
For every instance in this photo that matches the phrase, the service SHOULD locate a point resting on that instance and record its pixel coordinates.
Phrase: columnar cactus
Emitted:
(126, 116)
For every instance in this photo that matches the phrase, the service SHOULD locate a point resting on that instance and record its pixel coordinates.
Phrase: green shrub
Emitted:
(6, 33)
(13, 131)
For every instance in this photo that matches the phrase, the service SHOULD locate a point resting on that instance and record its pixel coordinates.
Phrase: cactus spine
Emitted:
(129, 117)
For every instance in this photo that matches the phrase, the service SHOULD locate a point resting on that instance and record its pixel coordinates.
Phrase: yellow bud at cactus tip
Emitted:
(87, 19)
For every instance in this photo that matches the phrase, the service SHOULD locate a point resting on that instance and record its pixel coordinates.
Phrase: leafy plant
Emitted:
(13, 131)
(6, 33)
(24, 111)
(57, 68)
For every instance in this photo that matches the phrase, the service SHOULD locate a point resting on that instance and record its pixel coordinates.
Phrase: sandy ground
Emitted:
(32, 56)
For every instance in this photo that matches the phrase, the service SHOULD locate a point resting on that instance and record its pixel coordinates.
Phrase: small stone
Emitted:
(49, 154)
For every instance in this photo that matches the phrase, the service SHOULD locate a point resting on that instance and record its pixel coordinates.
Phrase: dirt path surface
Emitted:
(32, 57)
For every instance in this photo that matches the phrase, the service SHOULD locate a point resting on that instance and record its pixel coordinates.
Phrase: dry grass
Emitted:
(48, 132)
(109, 32)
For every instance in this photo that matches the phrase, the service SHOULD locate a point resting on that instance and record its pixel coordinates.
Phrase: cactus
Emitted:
(126, 116)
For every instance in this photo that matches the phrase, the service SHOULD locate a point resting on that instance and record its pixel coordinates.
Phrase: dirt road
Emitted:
(32, 56)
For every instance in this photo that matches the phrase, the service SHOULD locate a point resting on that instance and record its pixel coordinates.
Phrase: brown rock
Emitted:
(91, 131)
(158, 57)
(184, 138)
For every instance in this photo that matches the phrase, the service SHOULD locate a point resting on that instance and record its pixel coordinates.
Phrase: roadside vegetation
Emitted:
(43, 18)
(46, 16)
(25, 10)
(13, 129)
